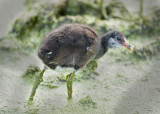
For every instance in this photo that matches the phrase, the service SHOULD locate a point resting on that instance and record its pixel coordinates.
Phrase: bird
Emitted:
(75, 45)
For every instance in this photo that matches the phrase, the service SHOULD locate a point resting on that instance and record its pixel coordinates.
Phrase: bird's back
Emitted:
(71, 45)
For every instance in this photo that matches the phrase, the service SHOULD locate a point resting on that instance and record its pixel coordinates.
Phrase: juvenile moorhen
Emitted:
(74, 45)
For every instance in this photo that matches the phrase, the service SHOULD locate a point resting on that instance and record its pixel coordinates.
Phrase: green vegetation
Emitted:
(49, 85)
(147, 51)
(88, 102)
(31, 27)
(10, 44)
(31, 73)
(116, 9)
(87, 73)
(31, 108)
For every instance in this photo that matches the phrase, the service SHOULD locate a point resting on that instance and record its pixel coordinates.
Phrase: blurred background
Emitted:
(14, 9)
(121, 82)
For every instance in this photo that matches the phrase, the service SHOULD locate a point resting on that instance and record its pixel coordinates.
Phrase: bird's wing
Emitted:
(70, 46)
(78, 48)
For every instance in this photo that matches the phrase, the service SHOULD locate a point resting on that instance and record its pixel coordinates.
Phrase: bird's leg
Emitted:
(38, 80)
(69, 80)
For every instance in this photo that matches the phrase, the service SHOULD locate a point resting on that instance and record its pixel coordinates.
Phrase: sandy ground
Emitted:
(120, 88)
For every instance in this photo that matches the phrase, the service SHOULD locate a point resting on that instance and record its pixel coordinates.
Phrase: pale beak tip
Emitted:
(127, 45)
(130, 48)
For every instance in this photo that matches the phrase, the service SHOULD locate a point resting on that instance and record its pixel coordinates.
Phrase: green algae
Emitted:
(61, 78)
(10, 44)
(31, 107)
(92, 66)
(31, 27)
(31, 73)
(49, 85)
(146, 26)
(147, 51)
(30, 2)
(81, 8)
(88, 102)
(30, 30)
(4, 109)
(88, 72)
(119, 75)
(116, 9)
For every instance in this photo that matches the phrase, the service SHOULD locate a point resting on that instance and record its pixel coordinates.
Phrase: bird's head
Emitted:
(117, 39)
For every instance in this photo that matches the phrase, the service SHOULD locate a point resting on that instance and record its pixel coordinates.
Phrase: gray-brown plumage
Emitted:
(74, 45)
(71, 45)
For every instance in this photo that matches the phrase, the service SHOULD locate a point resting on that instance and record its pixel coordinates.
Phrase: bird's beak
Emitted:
(127, 45)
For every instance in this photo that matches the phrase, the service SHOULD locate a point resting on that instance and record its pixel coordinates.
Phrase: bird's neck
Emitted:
(103, 47)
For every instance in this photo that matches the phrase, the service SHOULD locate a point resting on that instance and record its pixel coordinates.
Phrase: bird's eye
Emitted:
(118, 38)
